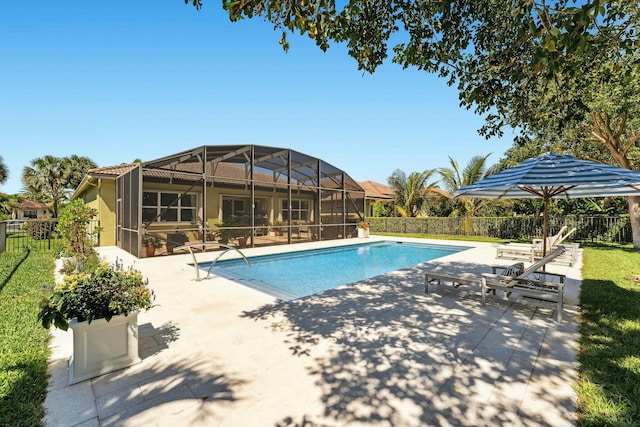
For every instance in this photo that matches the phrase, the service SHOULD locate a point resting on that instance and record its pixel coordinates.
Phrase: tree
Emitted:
(452, 179)
(75, 168)
(520, 64)
(495, 51)
(4, 171)
(43, 181)
(410, 191)
(50, 179)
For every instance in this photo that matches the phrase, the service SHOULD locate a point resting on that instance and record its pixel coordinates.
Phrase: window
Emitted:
(164, 206)
(30, 214)
(232, 206)
(299, 210)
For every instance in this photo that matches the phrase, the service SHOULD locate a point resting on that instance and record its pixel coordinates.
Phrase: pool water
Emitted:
(296, 274)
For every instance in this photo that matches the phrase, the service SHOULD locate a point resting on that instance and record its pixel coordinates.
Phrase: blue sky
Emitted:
(116, 81)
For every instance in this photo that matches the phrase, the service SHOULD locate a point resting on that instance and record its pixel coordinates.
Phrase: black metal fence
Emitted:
(35, 234)
(588, 228)
(44, 234)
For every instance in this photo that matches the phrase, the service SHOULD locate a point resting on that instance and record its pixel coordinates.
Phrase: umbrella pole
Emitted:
(545, 216)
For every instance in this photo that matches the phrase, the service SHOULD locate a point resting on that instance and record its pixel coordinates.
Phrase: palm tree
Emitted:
(410, 192)
(44, 180)
(453, 179)
(50, 179)
(4, 172)
(75, 168)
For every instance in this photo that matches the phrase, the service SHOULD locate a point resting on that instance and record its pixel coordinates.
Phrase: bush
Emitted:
(99, 294)
(40, 229)
(73, 226)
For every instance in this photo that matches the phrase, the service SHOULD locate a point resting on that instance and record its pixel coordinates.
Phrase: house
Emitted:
(30, 209)
(98, 190)
(243, 190)
(376, 192)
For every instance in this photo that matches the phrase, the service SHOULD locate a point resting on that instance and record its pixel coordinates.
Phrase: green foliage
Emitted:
(410, 191)
(500, 54)
(453, 179)
(40, 229)
(381, 210)
(102, 293)
(4, 171)
(73, 226)
(233, 227)
(609, 384)
(52, 179)
(23, 343)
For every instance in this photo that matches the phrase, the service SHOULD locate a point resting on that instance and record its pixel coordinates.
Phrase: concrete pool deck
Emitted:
(377, 353)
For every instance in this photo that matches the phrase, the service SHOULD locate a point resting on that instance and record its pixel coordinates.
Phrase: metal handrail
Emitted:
(229, 248)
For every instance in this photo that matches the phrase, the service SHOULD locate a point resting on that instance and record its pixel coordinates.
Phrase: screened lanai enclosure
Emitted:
(244, 195)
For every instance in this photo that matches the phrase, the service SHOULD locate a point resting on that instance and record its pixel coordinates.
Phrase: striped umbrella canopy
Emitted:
(553, 175)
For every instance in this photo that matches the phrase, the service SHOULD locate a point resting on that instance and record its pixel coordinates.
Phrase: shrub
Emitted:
(105, 292)
(73, 226)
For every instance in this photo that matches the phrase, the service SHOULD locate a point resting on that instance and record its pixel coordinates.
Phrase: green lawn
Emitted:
(609, 385)
(23, 342)
(608, 388)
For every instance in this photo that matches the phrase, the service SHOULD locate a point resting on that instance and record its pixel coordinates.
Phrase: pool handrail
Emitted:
(229, 248)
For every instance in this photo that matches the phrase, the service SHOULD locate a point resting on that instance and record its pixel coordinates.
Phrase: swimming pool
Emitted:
(296, 274)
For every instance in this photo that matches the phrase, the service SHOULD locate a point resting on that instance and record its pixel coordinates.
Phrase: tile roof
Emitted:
(112, 170)
(376, 190)
(31, 205)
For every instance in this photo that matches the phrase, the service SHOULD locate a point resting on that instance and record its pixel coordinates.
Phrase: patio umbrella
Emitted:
(553, 175)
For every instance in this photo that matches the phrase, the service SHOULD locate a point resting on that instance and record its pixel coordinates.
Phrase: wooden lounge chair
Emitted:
(533, 251)
(531, 281)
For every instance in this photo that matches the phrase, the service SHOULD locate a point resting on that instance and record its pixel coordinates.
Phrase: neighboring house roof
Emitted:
(441, 192)
(376, 190)
(30, 205)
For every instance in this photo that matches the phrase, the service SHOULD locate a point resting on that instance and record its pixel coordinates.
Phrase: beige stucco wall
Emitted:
(102, 197)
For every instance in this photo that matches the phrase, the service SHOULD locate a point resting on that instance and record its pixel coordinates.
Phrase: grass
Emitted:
(609, 373)
(23, 342)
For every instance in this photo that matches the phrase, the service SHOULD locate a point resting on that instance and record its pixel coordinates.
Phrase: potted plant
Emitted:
(275, 230)
(363, 229)
(150, 243)
(175, 239)
(233, 228)
(101, 307)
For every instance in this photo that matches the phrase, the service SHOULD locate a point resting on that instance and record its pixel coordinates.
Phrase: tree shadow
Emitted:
(385, 353)
(179, 388)
(15, 268)
(152, 340)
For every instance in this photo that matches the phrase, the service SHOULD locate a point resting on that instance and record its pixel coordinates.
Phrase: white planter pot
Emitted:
(100, 347)
(362, 233)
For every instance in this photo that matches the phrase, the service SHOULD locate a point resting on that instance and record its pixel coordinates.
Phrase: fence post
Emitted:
(3, 237)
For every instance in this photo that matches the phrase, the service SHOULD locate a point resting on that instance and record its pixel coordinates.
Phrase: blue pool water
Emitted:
(296, 274)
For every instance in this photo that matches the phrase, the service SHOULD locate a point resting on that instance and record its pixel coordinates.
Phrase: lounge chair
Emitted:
(532, 252)
(531, 281)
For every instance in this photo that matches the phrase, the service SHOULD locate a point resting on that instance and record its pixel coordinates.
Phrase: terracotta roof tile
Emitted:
(376, 190)
(112, 170)
(30, 205)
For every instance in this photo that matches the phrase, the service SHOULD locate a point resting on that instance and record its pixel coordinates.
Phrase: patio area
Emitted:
(377, 353)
